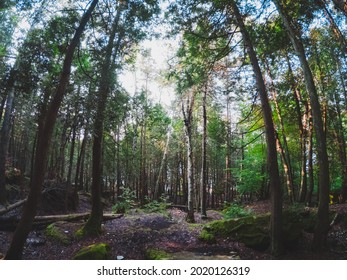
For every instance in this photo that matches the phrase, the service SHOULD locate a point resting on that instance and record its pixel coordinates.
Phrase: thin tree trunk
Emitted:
(44, 137)
(188, 118)
(302, 124)
(93, 225)
(342, 146)
(156, 188)
(275, 184)
(283, 149)
(4, 144)
(69, 173)
(203, 182)
(310, 160)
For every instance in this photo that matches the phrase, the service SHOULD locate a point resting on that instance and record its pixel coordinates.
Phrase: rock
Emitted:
(57, 231)
(36, 241)
(99, 251)
(253, 231)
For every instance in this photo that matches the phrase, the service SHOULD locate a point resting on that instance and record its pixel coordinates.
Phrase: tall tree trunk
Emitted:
(229, 188)
(157, 192)
(119, 168)
(342, 146)
(79, 164)
(310, 159)
(44, 137)
(283, 149)
(342, 137)
(203, 182)
(93, 225)
(4, 143)
(302, 120)
(275, 184)
(143, 174)
(69, 173)
(322, 227)
(336, 30)
(188, 119)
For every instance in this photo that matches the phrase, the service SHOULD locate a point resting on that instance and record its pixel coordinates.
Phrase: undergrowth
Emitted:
(236, 211)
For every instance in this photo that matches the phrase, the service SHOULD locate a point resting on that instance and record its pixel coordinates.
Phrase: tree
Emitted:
(5, 137)
(93, 225)
(275, 185)
(320, 237)
(44, 137)
(187, 111)
(133, 13)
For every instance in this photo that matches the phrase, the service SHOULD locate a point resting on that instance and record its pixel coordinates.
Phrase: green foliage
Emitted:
(236, 211)
(156, 205)
(125, 201)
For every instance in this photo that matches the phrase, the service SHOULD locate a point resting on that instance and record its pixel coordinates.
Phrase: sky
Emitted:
(161, 50)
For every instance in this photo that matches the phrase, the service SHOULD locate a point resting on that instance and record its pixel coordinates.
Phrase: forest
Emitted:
(159, 129)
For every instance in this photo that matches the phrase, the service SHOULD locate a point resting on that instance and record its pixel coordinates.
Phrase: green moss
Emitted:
(91, 228)
(207, 237)
(253, 231)
(156, 254)
(55, 231)
(100, 251)
(79, 233)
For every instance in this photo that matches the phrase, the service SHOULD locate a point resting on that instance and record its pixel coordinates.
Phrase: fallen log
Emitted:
(41, 222)
(19, 203)
(12, 206)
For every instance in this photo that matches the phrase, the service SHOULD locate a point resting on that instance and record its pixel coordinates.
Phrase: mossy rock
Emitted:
(253, 231)
(58, 232)
(100, 251)
(156, 254)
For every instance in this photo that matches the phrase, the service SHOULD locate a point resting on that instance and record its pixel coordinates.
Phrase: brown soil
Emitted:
(134, 233)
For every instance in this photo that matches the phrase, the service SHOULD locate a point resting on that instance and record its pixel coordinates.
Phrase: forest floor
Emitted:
(133, 234)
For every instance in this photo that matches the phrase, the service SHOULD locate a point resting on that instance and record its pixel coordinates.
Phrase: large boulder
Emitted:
(254, 231)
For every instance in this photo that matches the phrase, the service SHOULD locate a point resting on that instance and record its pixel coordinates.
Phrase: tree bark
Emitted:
(203, 182)
(188, 118)
(275, 184)
(43, 141)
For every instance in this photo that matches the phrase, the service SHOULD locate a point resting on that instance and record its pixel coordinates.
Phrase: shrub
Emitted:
(236, 211)
(124, 201)
(156, 205)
